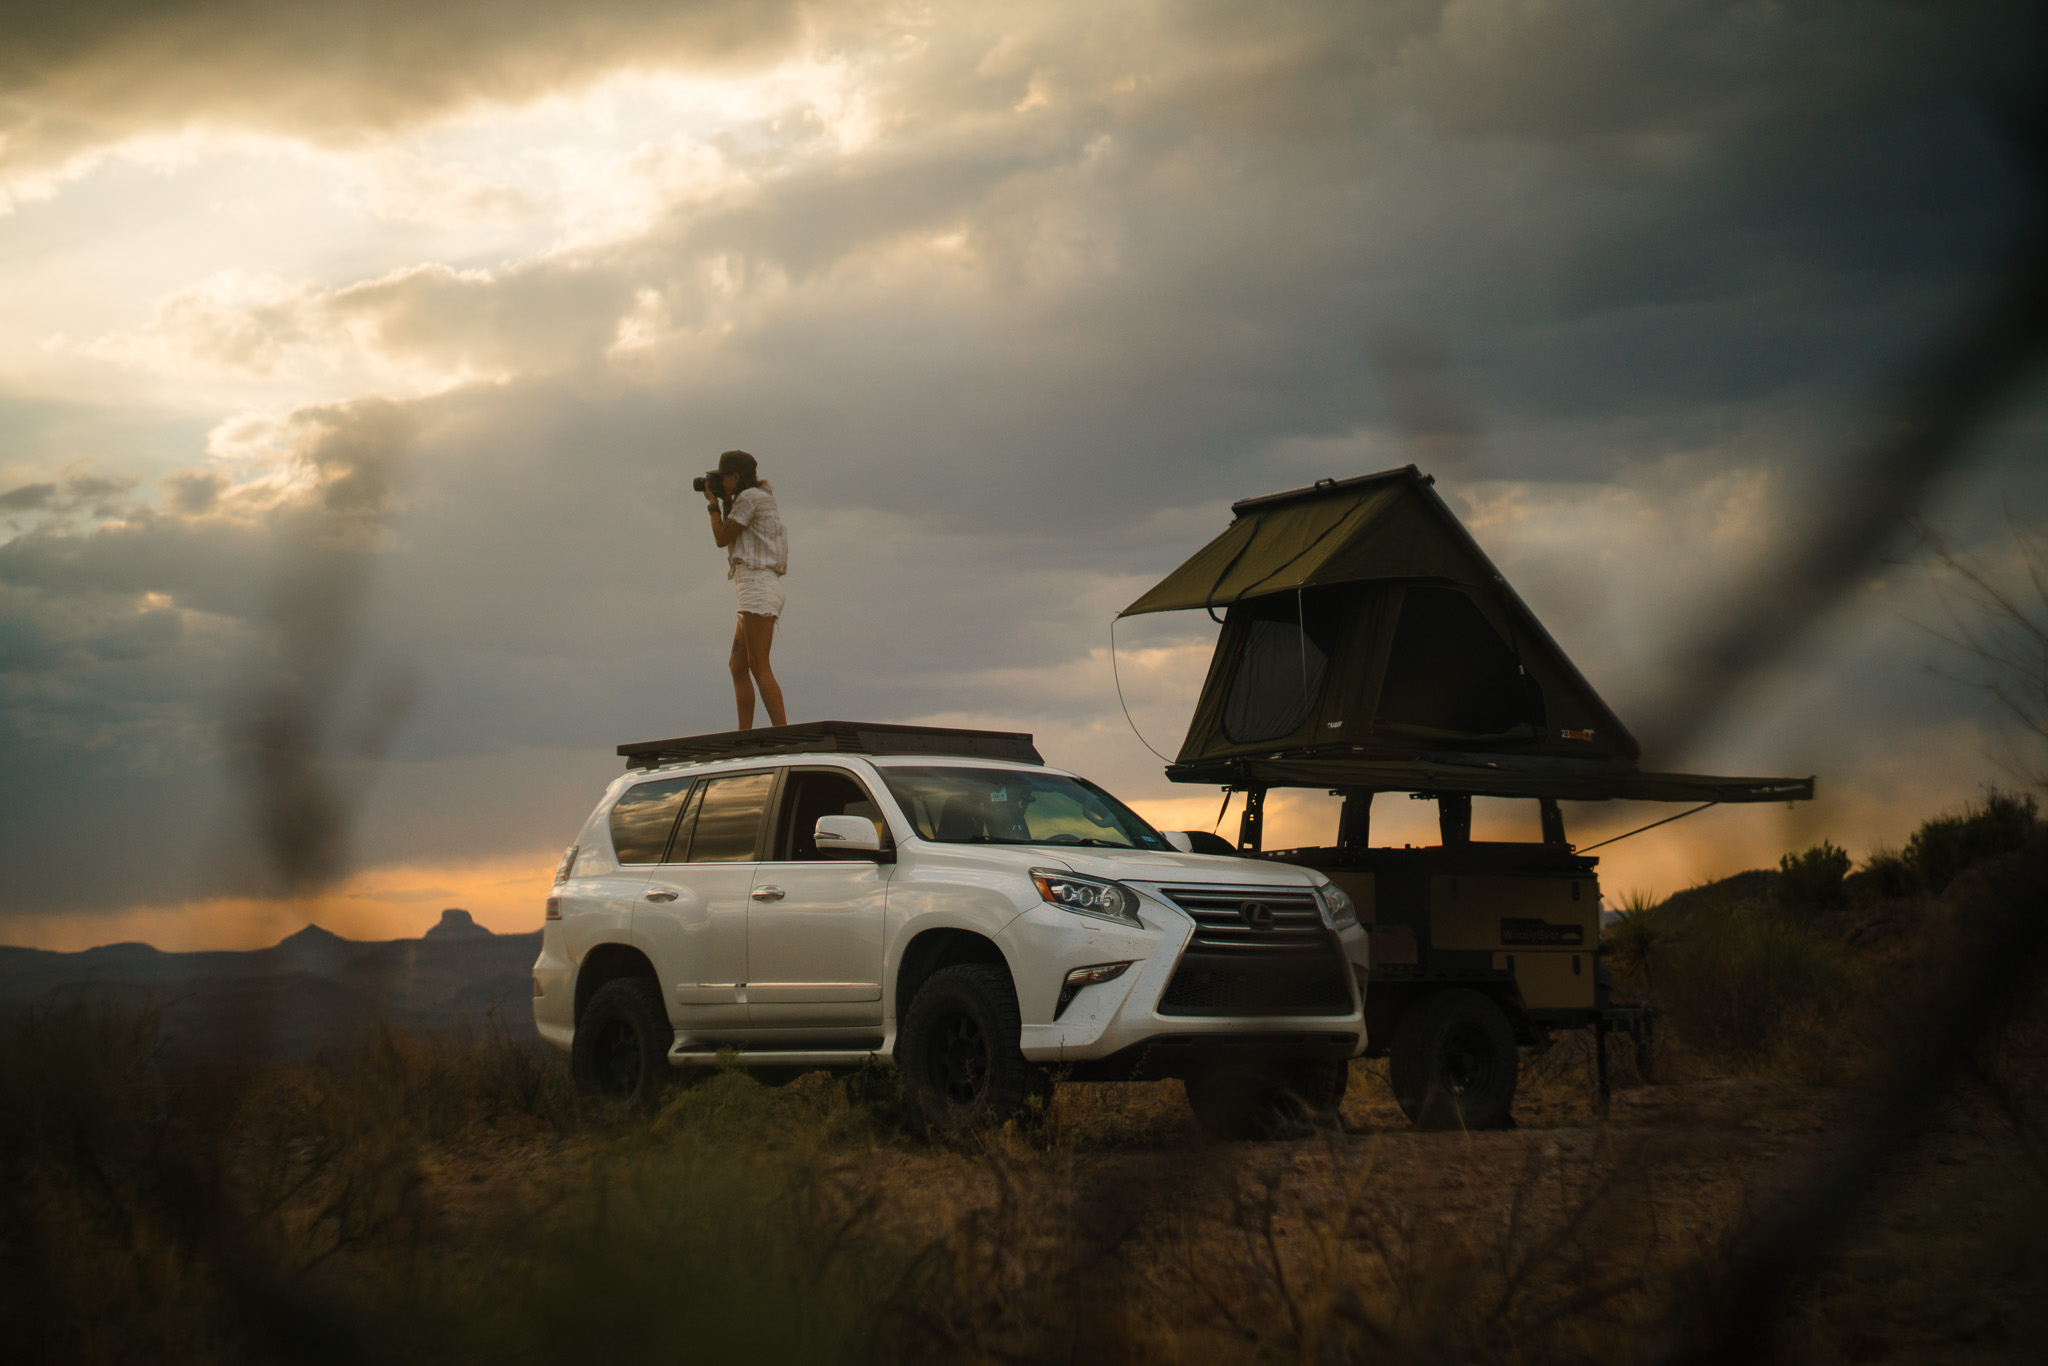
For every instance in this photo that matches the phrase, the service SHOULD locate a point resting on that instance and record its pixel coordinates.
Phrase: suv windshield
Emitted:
(1004, 806)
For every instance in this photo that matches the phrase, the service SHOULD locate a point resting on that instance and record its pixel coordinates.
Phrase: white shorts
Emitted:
(760, 591)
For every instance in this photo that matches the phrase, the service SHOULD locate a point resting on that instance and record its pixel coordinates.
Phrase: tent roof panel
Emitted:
(1276, 546)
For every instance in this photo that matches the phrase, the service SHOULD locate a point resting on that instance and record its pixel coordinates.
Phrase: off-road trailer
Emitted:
(1370, 646)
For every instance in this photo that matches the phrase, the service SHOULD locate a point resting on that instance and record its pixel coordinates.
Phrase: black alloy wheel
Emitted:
(1453, 1064)
(960, 1060)
(958, 1047)
(1464, 1065)
(620, 1052)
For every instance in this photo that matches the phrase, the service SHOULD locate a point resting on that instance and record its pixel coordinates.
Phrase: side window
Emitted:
(820, 792)
(728, 826)
(679, 847)
(643, 818)
(1279, 677)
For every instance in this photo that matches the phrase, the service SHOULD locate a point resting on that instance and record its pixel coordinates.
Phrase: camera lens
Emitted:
(697, 484)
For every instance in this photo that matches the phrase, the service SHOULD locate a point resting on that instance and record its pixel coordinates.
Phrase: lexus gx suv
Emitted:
(842, 894)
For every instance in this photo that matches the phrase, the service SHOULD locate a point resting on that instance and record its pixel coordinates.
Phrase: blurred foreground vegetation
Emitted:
(450, 1199)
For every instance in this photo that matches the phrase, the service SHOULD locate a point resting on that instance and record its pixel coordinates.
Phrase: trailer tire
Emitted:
(1277, 1101)
(620, 1053)
(960, 1052)
(1453, 1064)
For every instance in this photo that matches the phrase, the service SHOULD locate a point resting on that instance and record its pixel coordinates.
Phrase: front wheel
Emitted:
(1280, 1100)
(1453, 1063)
(959, 1051)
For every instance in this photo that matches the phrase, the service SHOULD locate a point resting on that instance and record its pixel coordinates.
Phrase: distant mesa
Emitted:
(457, 924)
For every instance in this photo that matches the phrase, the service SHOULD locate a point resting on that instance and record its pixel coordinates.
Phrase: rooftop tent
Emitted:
(1368, 643)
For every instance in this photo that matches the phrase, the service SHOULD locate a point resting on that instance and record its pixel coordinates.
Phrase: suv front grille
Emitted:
(1275, 961)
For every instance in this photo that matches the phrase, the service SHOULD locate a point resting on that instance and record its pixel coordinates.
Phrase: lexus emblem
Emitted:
(1257, 914)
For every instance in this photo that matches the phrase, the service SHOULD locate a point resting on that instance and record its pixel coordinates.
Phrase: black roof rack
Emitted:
(837, 737)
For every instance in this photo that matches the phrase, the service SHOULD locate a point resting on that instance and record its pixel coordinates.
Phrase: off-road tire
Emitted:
(1453, 1063)
(958, 1049)
(1273, 1101)
(621, 1050)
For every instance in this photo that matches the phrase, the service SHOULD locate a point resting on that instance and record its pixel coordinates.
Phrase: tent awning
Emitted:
(1276, 549)
(1369, 774)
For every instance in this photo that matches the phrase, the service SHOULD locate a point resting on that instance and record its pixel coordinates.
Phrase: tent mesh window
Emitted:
(1450, 670)
(1278, 679)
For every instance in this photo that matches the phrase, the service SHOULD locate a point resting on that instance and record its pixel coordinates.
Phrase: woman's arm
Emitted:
(723, 531)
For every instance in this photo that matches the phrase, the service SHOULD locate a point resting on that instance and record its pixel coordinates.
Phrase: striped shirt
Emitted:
(762, 543)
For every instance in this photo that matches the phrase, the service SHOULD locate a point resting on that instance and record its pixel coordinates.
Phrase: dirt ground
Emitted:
(1118, 1231)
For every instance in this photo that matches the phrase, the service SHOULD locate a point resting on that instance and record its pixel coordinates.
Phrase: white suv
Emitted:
(837, 894)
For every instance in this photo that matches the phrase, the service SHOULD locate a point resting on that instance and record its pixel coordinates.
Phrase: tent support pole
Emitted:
(1454, 817)
(1354, 820)
(1553, 821)
(1251, 825)
(1600, 1059)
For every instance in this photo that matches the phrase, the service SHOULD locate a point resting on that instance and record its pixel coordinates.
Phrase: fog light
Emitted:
(1086, 977)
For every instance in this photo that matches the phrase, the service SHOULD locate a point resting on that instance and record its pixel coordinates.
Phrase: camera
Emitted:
(711, 479)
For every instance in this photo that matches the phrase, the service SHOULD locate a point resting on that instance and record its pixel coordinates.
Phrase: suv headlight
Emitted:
(1338, 911)
(1088, 896)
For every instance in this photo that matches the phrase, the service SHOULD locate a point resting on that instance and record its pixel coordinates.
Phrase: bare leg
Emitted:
(742, 682)
(759, 637)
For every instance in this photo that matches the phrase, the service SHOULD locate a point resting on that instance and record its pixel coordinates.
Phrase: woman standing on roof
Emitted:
(748, 527)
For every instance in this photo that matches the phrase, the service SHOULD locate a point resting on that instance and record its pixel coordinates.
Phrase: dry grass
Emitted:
(449, 1200)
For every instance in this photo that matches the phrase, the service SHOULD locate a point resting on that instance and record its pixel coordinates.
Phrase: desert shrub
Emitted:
(1889, 873)
(1632, 938)
(1947, 846)
(1812, 880)
(734, 1253)
(1741, 977)
(95, 1264)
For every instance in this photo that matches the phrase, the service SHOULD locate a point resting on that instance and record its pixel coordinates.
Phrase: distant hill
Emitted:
(310, 990)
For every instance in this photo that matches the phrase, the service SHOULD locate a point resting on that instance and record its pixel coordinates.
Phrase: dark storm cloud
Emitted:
(76, 75)
(28, 497)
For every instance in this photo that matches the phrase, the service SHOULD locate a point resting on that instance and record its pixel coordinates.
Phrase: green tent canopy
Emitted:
(1369, 644)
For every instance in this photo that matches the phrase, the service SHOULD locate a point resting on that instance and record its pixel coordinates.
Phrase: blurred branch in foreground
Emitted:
(1941, 405)
(2004, 628)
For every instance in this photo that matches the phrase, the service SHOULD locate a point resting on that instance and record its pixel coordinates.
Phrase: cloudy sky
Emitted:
(356, 359)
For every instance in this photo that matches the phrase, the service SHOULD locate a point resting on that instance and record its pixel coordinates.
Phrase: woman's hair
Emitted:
(741, 464)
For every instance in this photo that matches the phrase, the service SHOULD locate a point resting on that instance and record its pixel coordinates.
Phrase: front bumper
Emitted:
(1143, 1023)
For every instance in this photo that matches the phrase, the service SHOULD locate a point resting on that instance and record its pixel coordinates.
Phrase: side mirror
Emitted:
(848, 837)
(1179, 840)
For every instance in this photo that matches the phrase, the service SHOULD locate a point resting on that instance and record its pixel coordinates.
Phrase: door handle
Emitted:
(662, 894)
(768, 894)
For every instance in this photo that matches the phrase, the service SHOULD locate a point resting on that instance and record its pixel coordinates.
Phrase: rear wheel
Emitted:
(1279, 1100)
(959, 1051)
(620, 1052)
(1453, 1062)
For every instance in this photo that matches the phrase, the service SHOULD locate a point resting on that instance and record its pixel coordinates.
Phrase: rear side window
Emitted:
(728, 824)
(643, 818)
